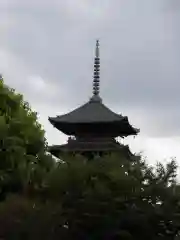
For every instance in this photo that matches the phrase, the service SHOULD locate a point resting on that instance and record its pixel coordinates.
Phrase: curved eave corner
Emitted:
(52, 120)
(137, 130)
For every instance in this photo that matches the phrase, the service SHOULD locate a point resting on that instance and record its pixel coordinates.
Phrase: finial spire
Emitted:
(96, 79)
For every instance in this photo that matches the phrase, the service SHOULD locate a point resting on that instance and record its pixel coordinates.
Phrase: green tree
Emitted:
(22, 142)
(112, 198)
(107, 198)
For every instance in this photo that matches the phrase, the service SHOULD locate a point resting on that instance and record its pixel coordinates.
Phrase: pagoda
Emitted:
(92, 128)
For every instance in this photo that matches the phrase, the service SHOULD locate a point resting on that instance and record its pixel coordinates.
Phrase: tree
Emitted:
(106, 198)
(22, 142)
(112, 198)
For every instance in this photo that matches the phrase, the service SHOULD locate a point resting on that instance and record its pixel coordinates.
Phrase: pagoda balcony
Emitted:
(74, 140)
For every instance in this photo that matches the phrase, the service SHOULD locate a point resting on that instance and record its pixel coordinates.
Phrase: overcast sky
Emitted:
(47, 50)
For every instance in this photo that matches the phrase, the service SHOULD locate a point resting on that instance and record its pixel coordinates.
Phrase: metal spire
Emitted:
(96, 79)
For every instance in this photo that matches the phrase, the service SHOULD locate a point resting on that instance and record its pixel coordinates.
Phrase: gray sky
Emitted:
(47, 50)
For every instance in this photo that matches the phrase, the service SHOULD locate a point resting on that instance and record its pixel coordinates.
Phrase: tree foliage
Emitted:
(106, 198)
(22, 142)
(111, 197)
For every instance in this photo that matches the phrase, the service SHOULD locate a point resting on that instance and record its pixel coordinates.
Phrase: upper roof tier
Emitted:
(93, 113)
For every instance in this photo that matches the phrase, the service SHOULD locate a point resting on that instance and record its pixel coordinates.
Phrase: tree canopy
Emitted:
(22, 142)
(111, 198)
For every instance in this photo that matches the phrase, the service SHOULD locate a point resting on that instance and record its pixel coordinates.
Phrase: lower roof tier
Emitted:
(81, 147)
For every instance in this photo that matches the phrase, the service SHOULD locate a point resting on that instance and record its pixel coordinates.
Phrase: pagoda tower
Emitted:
(92, 128)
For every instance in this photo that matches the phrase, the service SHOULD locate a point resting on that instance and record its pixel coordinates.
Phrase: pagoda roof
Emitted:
(90, 112)
(87, 147)
(93, 112)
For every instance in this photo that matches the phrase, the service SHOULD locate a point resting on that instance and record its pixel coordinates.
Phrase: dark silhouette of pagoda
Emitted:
(92, 127)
